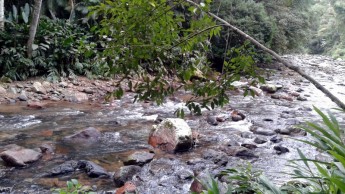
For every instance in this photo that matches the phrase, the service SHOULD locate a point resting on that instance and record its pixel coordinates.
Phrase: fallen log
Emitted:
(276, 56)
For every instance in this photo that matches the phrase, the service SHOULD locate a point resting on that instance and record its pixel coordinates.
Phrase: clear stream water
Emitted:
(125, 127)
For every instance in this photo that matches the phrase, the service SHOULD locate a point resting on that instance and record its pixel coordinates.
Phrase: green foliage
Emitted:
(328, 37)
(56, 51)
(329, 138)
(160, 40)
(73, 187)
(283, 25)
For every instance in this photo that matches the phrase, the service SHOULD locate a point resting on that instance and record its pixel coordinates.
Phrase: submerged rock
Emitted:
(171, 135)
(88, 134)
(20, 156)
(139, 158)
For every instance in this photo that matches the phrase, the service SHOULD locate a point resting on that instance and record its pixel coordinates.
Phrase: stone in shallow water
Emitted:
(261, 131)
(20, 157)
(64, 168)
(212, 120)
(276, 139)
(88, 134)
(260, 140)
(92, 169)
(171, 135)
(281, 149)
(216, 157)
(124, 174)
(139, 158)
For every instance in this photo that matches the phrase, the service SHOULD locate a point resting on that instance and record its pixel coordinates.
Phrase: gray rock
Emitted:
(12, 90)
(63, 84)
(212, 120)
(281, 149)
(2, 90)
(260, 140)
(38, 88)
(249, 146)
(276, 139)
(217, 157)
(64, 168)
(265, 132)
(72, 96)
(139, 158)
(92, 169)
(20, 156)
(247, 135)
(125, 174)
(301, 98)
(89, 90)
(22, 96)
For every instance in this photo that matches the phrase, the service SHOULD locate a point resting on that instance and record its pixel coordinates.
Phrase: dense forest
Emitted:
(155, 48)
(67, 32)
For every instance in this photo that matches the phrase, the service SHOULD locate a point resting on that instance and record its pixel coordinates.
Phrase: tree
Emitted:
(33, 26)
(2, 15)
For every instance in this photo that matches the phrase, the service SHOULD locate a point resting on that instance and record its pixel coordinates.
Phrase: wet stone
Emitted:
(281, 149)
(216, 157)
(237, 116)
(139, 158)
(249, 146)
(260, 140)
(247, 135)
(125, 174)
(212, 120)
(92, 169)
(88, 134)
(20, 157)
(64, 168)
(265, 132)
(276, 139)
(127, 188)
(301, 98)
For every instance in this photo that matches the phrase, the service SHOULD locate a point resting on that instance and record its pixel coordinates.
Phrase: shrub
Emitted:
(56, 51)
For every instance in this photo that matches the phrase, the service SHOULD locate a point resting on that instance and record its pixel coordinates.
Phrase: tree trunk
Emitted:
(276, 56)
(2, 15)
(33, 26)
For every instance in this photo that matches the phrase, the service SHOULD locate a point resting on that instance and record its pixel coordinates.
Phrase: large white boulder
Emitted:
(171, 135)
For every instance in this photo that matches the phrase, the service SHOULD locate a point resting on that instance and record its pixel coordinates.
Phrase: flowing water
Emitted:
(125, 128)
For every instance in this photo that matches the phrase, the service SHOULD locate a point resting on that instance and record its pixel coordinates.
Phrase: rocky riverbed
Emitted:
(50, 133)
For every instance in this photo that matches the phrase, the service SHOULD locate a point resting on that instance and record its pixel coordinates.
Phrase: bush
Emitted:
(56, 51)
